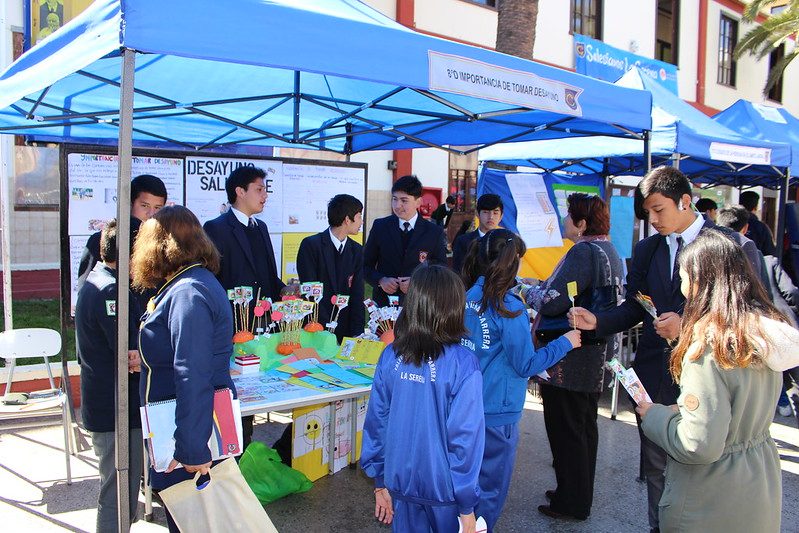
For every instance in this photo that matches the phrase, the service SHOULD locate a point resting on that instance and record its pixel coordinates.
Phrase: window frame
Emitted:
(726, 71)
(596, 17)
(776, 94)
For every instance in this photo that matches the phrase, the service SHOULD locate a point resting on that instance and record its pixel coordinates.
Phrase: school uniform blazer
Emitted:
(461, 247)
(316, 261)
(237, 267)
(650, 273)
(382, 255)
(185, 343)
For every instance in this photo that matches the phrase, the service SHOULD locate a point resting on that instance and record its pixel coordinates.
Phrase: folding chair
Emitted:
(33, 343)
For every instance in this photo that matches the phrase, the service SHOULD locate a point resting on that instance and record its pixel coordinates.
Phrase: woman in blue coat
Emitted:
(423, 434)
(184, 339)
(499, 333)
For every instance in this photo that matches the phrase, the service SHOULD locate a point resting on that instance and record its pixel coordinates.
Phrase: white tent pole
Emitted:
(123, 284)
(5, 170)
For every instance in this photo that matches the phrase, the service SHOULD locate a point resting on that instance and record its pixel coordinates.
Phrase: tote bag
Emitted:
(223, 504)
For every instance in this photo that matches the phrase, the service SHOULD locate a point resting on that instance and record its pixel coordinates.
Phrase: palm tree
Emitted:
(763, 39)
(516, 27)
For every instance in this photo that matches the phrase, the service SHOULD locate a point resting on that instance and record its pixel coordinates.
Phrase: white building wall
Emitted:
(751, 74)
(688, 49)
(460, 20)
(386, 7)
(431, 165)
(553, 42)
(628, 24)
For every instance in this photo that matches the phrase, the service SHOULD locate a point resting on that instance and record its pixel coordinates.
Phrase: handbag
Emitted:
(222, 504)
(603, 296)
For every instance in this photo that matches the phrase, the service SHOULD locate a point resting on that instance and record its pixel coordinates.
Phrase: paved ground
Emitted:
(34, 495)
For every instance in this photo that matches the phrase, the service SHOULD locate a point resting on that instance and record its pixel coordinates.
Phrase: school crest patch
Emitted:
(111, 307)
(422, 256)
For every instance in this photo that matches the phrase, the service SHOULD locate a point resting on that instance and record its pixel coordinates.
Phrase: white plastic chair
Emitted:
(34, 343)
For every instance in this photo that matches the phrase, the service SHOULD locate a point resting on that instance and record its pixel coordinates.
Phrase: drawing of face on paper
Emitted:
(309, 431)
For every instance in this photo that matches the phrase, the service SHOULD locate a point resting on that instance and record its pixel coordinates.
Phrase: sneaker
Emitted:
(784, 410)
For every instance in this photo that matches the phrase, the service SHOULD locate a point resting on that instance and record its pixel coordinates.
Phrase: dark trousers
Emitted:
(653, 462)
(570, 419)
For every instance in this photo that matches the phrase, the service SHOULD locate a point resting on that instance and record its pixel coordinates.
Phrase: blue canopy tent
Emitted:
(765, 123)
(681, 135)
(325, 74)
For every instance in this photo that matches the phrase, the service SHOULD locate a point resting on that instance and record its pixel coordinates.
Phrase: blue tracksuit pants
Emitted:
(495, 474)
(412, 517)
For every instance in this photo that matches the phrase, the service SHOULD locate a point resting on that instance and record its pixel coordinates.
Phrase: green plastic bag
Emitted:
(267, 476)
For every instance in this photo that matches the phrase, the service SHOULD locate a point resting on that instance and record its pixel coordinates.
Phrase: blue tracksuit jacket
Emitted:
(424, 435)
(504, 348)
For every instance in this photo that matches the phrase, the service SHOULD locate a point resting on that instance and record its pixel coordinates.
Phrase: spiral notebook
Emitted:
(158, 428)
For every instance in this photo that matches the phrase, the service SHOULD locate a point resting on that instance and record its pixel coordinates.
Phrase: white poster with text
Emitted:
(536, 217)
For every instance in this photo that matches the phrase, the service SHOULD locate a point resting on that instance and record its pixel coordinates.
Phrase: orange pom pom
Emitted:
(387, 337)
(313, 327)
(242, 336)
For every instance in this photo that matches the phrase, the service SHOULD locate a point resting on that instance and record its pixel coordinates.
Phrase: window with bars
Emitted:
(728, 37)
(587, 18)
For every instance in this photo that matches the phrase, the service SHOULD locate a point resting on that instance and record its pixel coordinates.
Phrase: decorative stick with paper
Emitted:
(571, 288)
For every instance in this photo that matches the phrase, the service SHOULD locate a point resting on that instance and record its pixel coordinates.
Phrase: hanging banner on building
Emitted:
(462, 75)
(602, 61)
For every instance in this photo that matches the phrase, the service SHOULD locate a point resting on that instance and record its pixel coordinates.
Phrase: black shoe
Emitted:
(548, 511)
(550, 494)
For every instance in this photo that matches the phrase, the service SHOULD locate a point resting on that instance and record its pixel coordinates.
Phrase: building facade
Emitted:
(696, 35)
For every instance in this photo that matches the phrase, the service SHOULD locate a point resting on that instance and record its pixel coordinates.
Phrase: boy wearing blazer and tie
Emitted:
(398, 243)
(337, 261)
(247, 256)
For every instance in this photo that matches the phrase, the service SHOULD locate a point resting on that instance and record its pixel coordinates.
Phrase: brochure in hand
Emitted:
(629, 379)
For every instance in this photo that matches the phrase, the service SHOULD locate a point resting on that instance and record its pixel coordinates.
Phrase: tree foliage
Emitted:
(763, 39)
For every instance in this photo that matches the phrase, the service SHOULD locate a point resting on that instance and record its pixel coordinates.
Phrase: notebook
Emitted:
(158, 428)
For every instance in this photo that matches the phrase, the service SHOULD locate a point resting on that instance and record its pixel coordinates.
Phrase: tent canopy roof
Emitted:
(708, 151)
(765, 123)
(328, 74)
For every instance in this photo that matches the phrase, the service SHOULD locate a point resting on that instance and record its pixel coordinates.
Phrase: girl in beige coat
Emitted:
(723, 469)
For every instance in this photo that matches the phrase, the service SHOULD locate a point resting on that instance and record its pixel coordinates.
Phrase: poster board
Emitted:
(298, 190)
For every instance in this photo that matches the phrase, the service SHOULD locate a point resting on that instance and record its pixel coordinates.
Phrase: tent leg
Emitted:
(123, 267)
(781, 212)
(5, 223)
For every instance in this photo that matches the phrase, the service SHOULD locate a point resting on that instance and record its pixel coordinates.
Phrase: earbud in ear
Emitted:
(681, 207)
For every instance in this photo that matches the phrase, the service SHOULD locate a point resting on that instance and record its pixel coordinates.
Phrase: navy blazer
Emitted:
(382, 255)
(96, 344)
(650, 273)
(316, 261)
(237, 267)
(461, 247)
(185, 345)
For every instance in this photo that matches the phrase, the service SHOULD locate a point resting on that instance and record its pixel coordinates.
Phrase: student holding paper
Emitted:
(663, 198)
(499, 333)
(723, 466)
(571, 394)
(427, 392)
(185, 337)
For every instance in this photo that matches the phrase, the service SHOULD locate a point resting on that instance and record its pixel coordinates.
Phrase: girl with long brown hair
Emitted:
(723, 469)
(499, 333)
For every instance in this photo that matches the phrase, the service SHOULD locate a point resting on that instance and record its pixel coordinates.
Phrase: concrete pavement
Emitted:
(34, 495)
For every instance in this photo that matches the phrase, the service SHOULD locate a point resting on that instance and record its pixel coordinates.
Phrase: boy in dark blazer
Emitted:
(489, 213)
(663, 198)
(337, 261)
(398, 243)
(243, 242)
